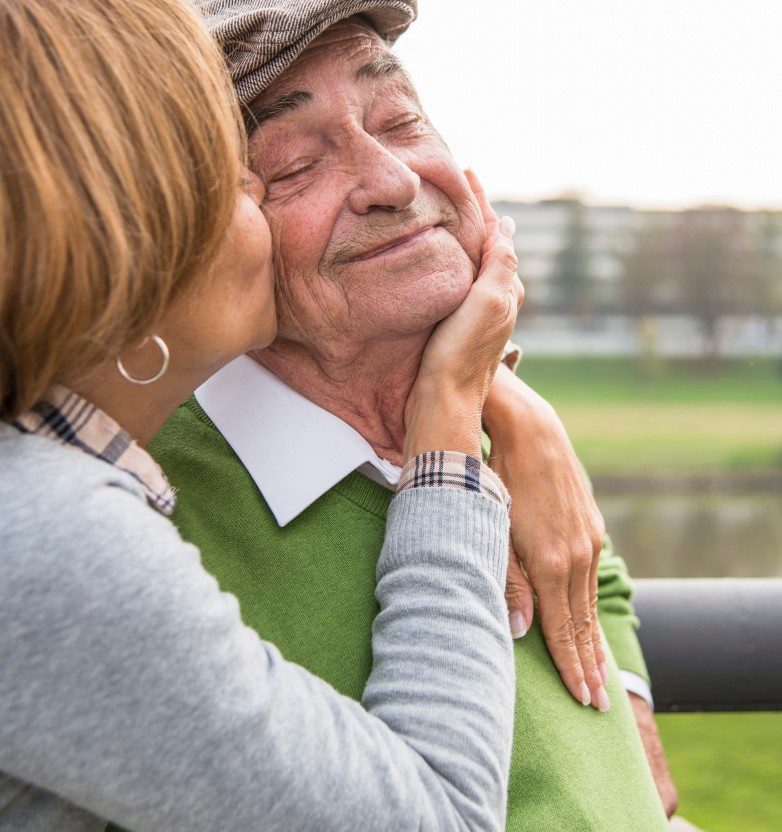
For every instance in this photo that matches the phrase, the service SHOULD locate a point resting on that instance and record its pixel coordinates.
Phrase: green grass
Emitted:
(728, 769)
(614, 380)
(678, 417)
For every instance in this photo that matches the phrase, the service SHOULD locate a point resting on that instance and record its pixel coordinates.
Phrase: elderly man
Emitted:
(295, 449)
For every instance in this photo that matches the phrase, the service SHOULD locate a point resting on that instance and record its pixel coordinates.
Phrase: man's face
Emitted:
(376, 230)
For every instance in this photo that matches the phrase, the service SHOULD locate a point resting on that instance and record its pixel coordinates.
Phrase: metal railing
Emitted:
(712, 644)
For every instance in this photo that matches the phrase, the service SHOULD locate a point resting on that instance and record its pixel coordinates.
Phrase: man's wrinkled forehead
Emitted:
(352, 45)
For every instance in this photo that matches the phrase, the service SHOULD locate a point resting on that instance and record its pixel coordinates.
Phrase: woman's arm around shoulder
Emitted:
(131, 688)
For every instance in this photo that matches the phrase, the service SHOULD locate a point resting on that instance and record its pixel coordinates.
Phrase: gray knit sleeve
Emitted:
(131, 688)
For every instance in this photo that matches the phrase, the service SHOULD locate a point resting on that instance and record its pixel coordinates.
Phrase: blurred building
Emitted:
(611, 279)
(542, 230)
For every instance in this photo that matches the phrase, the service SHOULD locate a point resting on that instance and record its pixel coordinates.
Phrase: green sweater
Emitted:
(309, 588)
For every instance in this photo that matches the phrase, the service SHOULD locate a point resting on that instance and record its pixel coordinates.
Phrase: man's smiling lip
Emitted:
(395, 244)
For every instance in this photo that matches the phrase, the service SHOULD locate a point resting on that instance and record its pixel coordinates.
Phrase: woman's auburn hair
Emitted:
(120, 150)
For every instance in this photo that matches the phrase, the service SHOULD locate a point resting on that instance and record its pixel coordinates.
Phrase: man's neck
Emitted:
(366, 387)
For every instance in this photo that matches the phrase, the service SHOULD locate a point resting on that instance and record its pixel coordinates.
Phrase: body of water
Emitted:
(697, 535)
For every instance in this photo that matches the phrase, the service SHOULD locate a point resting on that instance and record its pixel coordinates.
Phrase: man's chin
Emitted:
(423, 300)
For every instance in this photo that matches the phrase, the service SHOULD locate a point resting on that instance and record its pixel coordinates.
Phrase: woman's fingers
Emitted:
(584, 627)
(500, 261)
(518, 596)
(519, 289)
(568, 619)
(497, 228)
(556, 621)
(497, 286)
(489, 214)
(597, 636)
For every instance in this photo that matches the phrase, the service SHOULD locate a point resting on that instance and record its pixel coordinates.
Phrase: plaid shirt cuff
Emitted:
(451, 469)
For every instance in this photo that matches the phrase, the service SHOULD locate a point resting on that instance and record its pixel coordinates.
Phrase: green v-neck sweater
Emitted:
(309, 588)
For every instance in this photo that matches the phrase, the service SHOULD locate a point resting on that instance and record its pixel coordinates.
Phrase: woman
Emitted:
(133, 267)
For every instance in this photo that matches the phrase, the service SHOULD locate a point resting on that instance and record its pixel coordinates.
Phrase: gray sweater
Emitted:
(130, 690)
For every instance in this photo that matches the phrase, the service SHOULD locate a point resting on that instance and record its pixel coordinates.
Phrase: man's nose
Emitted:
(383, 180)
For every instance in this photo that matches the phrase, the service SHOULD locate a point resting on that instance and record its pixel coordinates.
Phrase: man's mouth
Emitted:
(400, 243)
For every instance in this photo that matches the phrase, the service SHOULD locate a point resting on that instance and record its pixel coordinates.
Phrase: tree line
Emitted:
(705, 262)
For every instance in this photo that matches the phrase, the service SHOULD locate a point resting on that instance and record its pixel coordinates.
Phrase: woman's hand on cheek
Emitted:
(485, 214)
(444, 408)
(557, 532)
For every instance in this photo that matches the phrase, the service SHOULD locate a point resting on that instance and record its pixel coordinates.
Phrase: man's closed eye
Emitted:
(292, 174)
(407, 123)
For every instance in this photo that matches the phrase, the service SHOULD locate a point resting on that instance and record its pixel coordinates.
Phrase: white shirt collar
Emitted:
(294, 450)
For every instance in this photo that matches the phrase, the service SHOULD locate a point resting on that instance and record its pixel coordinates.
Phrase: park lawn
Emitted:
(722, 787)
(677, 418)
(617, 379)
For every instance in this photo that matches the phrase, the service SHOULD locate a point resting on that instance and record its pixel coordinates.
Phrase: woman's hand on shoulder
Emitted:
(557, 533)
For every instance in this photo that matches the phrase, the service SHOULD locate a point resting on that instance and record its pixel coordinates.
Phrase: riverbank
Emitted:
(716, 482)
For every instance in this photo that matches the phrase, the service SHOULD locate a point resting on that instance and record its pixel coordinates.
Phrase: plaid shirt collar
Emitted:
(68, 418)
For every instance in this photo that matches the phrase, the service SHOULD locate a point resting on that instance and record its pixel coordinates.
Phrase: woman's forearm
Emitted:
(442, 632)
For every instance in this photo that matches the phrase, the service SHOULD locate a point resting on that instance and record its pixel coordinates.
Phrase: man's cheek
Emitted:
(294, 240)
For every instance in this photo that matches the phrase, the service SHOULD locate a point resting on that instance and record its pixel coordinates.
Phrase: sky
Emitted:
(654, 103)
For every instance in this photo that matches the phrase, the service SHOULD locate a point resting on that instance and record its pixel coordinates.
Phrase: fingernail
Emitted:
(602, 701)
(507, 226)
(586, 699)
(603, 672)
(518, 626)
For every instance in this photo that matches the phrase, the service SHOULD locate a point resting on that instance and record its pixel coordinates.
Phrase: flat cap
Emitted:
(262, 38)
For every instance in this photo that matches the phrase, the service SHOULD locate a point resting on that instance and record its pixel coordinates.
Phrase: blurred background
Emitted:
(637, 146)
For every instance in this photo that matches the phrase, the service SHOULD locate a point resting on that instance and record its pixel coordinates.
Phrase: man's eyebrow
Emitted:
(256, 116)
(380, 67)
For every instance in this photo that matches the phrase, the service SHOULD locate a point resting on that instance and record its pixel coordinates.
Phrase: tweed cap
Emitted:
(262, 38)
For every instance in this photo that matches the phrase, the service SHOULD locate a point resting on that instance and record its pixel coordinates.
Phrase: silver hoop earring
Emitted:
(163, 347)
